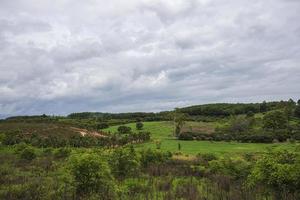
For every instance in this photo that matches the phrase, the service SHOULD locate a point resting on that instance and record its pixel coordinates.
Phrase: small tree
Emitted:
(92, 176)
(179, 121)
(297, 111)
(139, 125)
(179, 146)
(124, 129)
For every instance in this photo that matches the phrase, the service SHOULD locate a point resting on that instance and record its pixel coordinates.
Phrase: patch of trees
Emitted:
(108, 116)
(227, 109)
(275, 128)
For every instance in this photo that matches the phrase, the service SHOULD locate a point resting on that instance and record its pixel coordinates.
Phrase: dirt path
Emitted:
(84, 132)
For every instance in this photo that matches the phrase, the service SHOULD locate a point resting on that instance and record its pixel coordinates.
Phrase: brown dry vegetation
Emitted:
(46, 129)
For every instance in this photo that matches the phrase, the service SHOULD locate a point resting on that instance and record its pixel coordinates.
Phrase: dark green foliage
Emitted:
(28, 154)
(263, 107)
(187, 136)
(62, 152)
(11, 138)
(124, 130)
(250, 114)
(223, 109)
(297, 111)
(102, 125)
(139, 125)
(275, 120)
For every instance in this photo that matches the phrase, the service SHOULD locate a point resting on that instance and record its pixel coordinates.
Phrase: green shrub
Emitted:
(150, 156)
(124, 129)
(62, 152)
(139, 125)
(28, 154)
(92, 176)
(124, 163)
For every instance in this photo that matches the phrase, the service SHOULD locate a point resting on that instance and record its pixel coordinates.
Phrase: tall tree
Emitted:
(179, 121)
(275, 120)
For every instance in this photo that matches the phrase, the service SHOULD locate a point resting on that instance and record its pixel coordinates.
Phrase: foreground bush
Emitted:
(92, 177)
(124, 163)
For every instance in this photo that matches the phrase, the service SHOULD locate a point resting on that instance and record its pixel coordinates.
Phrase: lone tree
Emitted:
(179, 121)
(124, 129)
(139, 125)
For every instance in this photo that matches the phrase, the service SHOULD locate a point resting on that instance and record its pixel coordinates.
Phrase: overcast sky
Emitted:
(62, 56)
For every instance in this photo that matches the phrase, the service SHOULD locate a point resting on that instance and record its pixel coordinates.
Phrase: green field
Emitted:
(162, 131)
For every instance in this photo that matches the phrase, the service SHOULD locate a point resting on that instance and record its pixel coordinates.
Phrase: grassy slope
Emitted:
(163, 131)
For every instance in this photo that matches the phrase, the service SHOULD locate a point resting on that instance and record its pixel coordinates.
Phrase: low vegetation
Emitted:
(214, 151)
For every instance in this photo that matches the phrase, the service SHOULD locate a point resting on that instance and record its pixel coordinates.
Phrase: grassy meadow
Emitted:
(161, 132)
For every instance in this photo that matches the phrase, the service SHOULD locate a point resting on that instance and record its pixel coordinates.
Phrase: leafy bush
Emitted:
(124, 129)
(150, 156)
(279, 171)
(102, 125)
(124, 163)
(92, 176)
(139, 125)
(236, 168)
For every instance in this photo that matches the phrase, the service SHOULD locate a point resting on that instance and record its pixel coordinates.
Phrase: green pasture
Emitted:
(162, 132)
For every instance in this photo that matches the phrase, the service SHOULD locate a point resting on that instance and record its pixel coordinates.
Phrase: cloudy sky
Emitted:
(62, 56)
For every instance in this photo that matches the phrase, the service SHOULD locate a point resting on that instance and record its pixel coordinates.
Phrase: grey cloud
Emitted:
(63, 56)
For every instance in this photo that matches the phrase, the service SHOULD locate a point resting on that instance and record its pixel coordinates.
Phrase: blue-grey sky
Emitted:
(62, 56)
